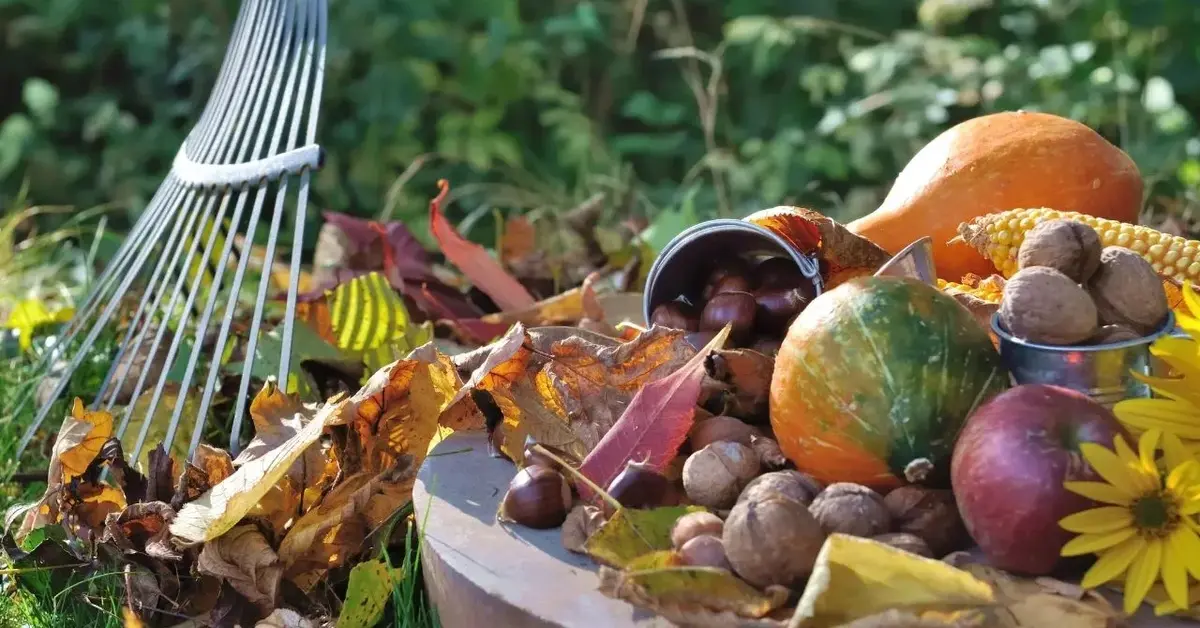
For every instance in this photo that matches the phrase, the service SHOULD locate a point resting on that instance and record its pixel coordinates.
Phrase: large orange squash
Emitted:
(994, 163)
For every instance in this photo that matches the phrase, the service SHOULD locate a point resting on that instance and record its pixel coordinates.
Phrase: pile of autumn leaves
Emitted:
(232, 540)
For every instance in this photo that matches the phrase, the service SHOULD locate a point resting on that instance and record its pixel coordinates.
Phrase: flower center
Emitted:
(1155, 514)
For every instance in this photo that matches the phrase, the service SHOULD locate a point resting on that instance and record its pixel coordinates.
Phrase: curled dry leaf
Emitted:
(328, 535)
(209, 467)
(160, 476)
(845, 254)
(660, 583)
(142, 595)
(285, 618)
(243, 558)
(219, 509)
(582, 522)
(746, 376)
(1026, 602)
(79, 440)
(85, 511)
(655, 423)
(474, 261)
(142, 528)
(277, 417)
(855, 578)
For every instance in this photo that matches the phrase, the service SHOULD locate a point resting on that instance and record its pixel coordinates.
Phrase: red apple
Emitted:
(1009, 466)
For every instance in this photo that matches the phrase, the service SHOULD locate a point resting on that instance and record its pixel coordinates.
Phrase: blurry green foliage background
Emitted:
(678, 109)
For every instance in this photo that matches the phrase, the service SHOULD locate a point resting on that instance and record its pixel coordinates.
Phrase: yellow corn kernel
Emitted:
(1171, 256)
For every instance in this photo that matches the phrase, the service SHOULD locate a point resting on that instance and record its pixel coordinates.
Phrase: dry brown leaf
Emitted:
(582, 522)
(79, 441)
(845, 254)
(209, 467)
(532, 409)
(285, 618)
(277, 417)
(505, 363)
(222, 507)
(519, 239)
(142, 528)
(595, 383)
(1029, 603)
(326, 536)
(142, 595)
(96, 501)
(243, 558)
(746, 376)
(160, 475)
(278, 509)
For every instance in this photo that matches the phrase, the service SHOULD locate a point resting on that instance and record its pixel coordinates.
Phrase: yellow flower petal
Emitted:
(1099, 491)
(1174, 451)
(1095, 543)
(1143, 573)
(1098, 520)
(1182, 480)
(1174, 570)
(1187, 544)
(1112, 563)
(1146, 479)
(1113, 469)
(1147, 448)
(1169, 415)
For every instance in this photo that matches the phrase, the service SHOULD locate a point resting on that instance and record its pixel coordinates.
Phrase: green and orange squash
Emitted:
(875, 380)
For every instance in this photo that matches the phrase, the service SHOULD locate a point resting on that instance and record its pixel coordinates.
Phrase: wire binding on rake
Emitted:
(190, 250)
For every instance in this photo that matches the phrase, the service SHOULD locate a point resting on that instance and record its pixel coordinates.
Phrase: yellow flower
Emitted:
(1147, 529)
(1176, 408)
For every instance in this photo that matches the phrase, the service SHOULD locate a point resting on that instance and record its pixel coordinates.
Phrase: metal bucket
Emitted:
(681, 267)
(1103, 372)
(914, 261)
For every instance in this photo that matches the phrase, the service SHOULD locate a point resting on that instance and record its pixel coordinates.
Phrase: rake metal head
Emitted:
(243, 169)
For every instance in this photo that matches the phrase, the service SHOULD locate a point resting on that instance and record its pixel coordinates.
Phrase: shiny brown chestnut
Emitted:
(640, 486)
(730, 283)
(731, 266)
(538, 497)
(776, 306)
(730, 308)
(779, 272)
(533, 457)
(675, 315)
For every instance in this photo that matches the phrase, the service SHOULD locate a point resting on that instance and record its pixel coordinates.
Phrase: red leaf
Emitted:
(654, 425)
(473, 260)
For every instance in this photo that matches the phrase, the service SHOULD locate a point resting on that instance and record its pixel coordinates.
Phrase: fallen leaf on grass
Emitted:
(655, 423)
(367, 593)
(218, 510)
(285, 618)
(277, 417)
(79, 441)
(327, 535)
(209, 467)
(661, 583)
(28, 315)
(632, 533)
(243, 558)
(855, 578)
(474, 261)
(156, 431)
(1027, 602)
(846, 255)
(85, 511)
(160, 475)
(142, 528)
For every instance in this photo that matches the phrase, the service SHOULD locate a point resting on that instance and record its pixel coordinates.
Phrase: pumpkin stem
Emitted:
(918, 470)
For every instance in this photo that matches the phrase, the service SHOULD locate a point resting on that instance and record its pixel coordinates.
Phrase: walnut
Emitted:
(695, 524)
(715, 475)
(794, 485)
(769, 453)
(910, 543)
(772, 541)
(851, 509)
(1127, 291)
(1043, 305)
(930, 514)
(1109, 334)
(718, 428)
(1072, 248)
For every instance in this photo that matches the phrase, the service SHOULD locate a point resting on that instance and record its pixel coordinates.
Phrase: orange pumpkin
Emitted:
(994, 163)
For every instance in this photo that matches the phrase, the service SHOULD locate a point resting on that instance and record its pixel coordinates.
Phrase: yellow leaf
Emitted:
(366, 313)
(157, 431)
(130, 618)
(630, 534)
(367, 593)
(243, 558)
(1044, 602)
(218, 510)
(278, 416)
(79, 441)
(662, 583)
(30, 314)
(855, 578)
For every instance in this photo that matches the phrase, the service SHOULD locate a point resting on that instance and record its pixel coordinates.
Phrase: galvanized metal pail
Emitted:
(1103, 372)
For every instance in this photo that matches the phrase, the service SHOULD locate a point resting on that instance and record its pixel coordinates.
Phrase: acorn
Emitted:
(736, 308)
(675, 315)
(538, 497)
(640, 486)
(775, 307)
(779, 272)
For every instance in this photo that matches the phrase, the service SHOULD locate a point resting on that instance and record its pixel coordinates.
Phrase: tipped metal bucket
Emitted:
(915, 261)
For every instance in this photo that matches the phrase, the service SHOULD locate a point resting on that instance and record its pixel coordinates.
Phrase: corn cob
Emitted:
(999, 236)
(989, 290)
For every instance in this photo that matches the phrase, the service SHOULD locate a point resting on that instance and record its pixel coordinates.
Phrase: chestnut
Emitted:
(700, 339)
(736, 308)
(639, 486)
(536, 458)
(676, 315)
(730, 283)
(776, 306)
(538, 497)
(779, 272)
(731, 266)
